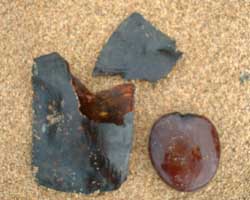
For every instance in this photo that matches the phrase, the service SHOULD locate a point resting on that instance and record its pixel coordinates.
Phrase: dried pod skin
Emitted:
(184, 150)
(75, 150)
(137, 50)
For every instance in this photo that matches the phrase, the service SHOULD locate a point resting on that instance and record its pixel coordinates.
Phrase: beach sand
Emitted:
(215, 39)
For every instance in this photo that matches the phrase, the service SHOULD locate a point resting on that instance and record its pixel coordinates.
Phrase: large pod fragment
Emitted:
(81, 141)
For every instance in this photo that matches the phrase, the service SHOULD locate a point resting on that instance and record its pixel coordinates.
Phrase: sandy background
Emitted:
(215, 37)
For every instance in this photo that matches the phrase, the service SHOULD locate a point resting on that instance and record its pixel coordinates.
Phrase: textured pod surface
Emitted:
(81, 141)
(184, 150)
(137, 50)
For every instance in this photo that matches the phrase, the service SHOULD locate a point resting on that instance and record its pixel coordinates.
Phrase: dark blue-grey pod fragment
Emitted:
(79, 146)
(137, 50)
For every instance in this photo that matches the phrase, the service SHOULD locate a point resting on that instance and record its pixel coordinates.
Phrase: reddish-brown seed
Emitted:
(184, 150)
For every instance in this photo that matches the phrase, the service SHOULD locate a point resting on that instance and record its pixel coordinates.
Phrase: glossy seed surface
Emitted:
(184, 150)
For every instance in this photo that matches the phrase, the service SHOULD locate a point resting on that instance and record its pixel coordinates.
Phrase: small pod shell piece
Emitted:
(137, 50)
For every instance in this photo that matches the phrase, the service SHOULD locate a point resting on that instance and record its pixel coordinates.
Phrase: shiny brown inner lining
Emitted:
(107, 106)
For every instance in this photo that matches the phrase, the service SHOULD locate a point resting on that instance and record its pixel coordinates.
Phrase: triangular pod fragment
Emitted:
(137, 50)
